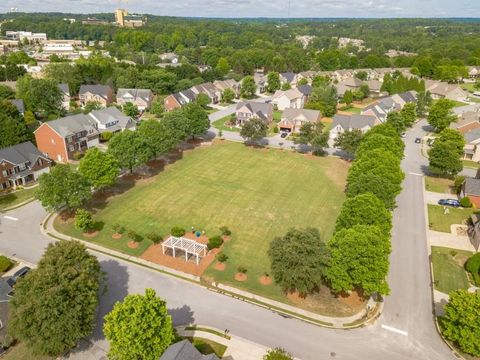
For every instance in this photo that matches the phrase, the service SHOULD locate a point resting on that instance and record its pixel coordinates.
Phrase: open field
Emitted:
(448, 269)
(15, 198)
(439, 185)
(439, 221)
(257, 193)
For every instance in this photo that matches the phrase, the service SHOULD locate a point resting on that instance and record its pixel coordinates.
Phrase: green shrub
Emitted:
(225, 231)
(473, 267)
(214, 242)
(106, 136)
(177, 231)
(154, 237)
(242, 270)
(465, 202)
(275, 130)
(84, 220)
(5, 264)
(77, 155)
(134, 236)
(119, 229)
(221, 257)
(458, 183)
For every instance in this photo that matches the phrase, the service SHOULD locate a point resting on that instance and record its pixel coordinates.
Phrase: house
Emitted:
(251, 109)
(103, 94)
(306, 90)
(184, 350)
(471, 150)
(19, 104)
(178, 100)
(231, 84)
(111, 120)
(288, 78)
(308, 75)
(342, 75)
(21, 164)
(384, 106)
(471, 189)
(292, 98)
(65, 90)
(471, 108)
(170, 57)
(349, 84)
(342, 123)
(375, 87)
(142, 98)
(260, 80)
(443, 90)
(474, 72)
(293, 119)
(208, 89)
(467, 122)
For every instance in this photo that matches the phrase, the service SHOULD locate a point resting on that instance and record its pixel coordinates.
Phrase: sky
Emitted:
(259, 8)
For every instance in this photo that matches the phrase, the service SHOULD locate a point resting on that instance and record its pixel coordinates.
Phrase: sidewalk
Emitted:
(316, 319)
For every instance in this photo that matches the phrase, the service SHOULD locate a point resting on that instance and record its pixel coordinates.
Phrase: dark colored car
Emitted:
(418, 141)
(18, 275)
(284, 135)
(449, 202)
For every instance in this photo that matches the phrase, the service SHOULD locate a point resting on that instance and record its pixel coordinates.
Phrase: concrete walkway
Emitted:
(326, 321)
(449, 240)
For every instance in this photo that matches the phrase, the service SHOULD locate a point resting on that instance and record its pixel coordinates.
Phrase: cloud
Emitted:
(259, 8)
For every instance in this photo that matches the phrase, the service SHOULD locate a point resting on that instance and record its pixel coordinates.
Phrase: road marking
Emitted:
(11, 218)
(392, 329)
(416, 174)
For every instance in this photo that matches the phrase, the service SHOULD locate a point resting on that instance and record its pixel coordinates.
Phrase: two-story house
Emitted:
(103, 94)
(248, 110)
(65, 90)
(292, 98)
(342, 123)
(21, 164)
(142, 98)
(111, 120)
(293, 119)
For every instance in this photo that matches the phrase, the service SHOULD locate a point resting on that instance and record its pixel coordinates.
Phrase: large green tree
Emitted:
(444, 159)
(197, 120)
(325, 99)
(409, 113)
(298, 260)
(129, 149)
(461, 322)
(273, 82)
(254, 130)
(441, 115)
(62, 187)
(364, 209)
(396, 119)
(157, 136)
(393, 144)
(248, 87)
(349, 141)
(100, 169)
(12, 127)
(314, 135)
(277, 354)
(139, 328)
(55, 305)
(40, 96)
(359, 258)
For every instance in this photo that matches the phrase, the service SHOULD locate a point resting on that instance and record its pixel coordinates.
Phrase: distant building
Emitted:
(65, 90)
(124, 19)
(25, 35)
(95, 21)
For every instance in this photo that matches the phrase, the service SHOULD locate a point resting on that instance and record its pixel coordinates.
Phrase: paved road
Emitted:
(410, 332)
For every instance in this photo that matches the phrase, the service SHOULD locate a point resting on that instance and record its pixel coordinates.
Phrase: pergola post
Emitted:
(173, 247)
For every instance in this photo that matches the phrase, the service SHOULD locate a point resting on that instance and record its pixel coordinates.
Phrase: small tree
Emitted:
(203, 100)
(84, 220)
(298, 260)
(91, 106)
(139, 327)
(349, 141)
(100, 169)
(228, 95)
(177, 231)
(313, 134)
(444, 159)
(395, 119)
(461, 322)
(214, 242)
(130, 109)
(154, 237)
(222, 257)
(225, 231)
(254, 130)
(286, 86)
(277, 354)
(348, 97)
(157, 109)
(441, 115)
(273, 82)
(248, 87)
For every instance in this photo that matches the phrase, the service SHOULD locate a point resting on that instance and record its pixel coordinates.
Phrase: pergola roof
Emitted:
(186, 245)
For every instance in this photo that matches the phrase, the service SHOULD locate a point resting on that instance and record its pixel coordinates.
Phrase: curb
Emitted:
(18, 205)
(197, 281)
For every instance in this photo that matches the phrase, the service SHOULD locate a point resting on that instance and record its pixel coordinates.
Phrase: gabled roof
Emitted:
(348, 122)
(288, 76)
(111, 115)
(472, 136)
(291, 94)
(262, 110)
(409, 96)
(472, 187)
(144, 94)
(71, 125)
(100, 90)
(184, 350)
(21, 153)
(189, 94)
(352, 82)
(290, 114)
(64, 89)
(305, 89)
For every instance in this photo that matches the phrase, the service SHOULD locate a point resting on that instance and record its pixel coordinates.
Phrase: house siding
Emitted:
(171, 103)
(51, 144)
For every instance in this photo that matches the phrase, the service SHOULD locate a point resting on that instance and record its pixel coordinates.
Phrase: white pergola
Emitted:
(186, 245)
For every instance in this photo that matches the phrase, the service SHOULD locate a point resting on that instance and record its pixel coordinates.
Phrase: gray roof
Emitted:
(21, 153)
(409, 96)
(71, 125)
(294, 114)
(184, 350)
(144, 94)
(305, 89)
(64, 88)
(472, 186)
(101, 90)
(472, 135)
(348, 122)
(289, 76)
(189, 94)
(18, 103)
(110, 115)
(262, 110)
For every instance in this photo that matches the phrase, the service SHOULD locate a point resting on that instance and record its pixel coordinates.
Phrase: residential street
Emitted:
(404, 331)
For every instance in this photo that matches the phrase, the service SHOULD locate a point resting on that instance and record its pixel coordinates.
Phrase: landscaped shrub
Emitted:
(119, 229)
(457, 184)
(154, 237)
(242, 270)
(473, 267)
(275, 130)
(84, 220)
(134, 236)
(177, 231)
(225, 231)
(106, 136)
(5, 264)
(77, 155)
(465, 202)
(214, 242)
(221, 257)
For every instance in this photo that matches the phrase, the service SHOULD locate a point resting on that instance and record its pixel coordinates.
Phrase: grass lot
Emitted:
(207, 347)
(448, 269)
(354, 110)
(470, 164)
(277, 116)
(468, 87)
(21, 352)
(439, 185)
(441, 222)
(221, 124)
(258, 193)
(15, 198)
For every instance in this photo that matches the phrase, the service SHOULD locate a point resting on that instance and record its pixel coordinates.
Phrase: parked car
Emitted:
(418, 141)
(283, 135)
(18, 275)
(449, 202)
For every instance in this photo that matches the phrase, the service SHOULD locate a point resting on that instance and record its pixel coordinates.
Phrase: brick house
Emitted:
(103, 94)
(21, 164)
(471, 189)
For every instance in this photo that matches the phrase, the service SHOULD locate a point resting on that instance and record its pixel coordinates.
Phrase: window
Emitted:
(53, 141)
(22, 167)
(4, 173)
(71, 148)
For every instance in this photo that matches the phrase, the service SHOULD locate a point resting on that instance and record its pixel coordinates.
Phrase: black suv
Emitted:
(18, 275)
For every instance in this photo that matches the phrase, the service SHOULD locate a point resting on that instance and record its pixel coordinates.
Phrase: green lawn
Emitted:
(448, 269)
(258, 193)
(468, 87)
(354, 110)
(221, 124)
(470, 164)
(439, 185)
(441, 222)
(15, 198)
(277, 116)
(21, 352)
(207, 347)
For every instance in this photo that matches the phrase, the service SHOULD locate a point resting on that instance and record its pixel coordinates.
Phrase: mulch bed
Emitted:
(265, 280)
(117, 236)
(241, 276)
(220, 266)
(90, 234)
(132, 244)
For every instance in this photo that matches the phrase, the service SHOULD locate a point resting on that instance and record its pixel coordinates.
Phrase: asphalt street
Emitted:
(404, 331)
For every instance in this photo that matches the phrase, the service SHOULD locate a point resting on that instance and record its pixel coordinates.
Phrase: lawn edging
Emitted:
(359, 320)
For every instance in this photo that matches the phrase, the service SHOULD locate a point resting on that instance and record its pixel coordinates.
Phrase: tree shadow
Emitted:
(182, 316)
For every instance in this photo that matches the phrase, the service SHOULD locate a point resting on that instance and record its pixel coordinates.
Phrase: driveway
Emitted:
(433, 197)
